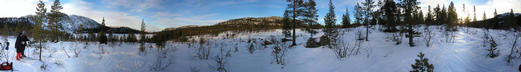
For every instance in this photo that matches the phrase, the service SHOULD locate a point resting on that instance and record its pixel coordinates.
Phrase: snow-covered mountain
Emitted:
(70, 23)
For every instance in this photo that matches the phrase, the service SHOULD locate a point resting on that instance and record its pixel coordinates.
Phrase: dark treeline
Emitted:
(10, 27)
(505, 21)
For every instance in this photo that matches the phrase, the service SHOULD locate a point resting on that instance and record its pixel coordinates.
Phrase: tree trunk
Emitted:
(294, 23)
(367, 32)
(40, 45)
(411, 33)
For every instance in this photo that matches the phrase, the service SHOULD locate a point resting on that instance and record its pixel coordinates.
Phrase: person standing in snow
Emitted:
(6, 43)
(20, 45)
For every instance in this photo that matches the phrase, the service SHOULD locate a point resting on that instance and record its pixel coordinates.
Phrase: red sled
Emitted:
(6, 66)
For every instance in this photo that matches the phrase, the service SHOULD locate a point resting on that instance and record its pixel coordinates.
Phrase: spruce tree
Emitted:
(142, 33)
(286, 26)
(358, 14)
(512, 21)
(429, 19)
(421, 19)
(484, 22)
(346, 20)
(101, 34)
(443, 15)
(111, 37)
(495, 12)
(5, 29)
(368, 13)
(38, 19)
(438, 14)
(452, 17)
(410, 7)
(330, 27)
(80, 29)
(475, 19)
(467, 19)
(391, 16)
(484, 16)
(422, 64)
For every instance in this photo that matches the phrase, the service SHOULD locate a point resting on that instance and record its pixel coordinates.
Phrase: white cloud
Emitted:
(17, 8)
(159, 20)
(134, 5)
(112, 18)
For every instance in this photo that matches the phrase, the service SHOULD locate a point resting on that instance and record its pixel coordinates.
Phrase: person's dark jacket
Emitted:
(20, 42)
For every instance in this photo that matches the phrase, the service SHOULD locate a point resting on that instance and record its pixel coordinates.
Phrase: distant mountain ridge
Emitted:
(272, 21)
(247, 24)
(70, 23)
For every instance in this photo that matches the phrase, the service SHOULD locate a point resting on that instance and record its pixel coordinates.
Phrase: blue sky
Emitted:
(160, 14)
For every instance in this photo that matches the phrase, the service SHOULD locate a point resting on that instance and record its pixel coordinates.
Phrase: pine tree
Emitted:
(310, 16)
(346, 20)
(38, 19)
(295, 8)
(377, 15)
(452, 17)
(101, 34)
(358, 14)
(54, 18)
(368, 10)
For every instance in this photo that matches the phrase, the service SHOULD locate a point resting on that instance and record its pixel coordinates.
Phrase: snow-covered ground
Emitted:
(245, 52)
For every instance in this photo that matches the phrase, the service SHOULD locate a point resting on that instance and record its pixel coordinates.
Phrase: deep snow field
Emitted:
(245, 52)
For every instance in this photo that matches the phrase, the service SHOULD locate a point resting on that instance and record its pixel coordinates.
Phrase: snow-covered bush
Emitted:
(325, 40)
(493, 52)
(312, 43)
(203, 50)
